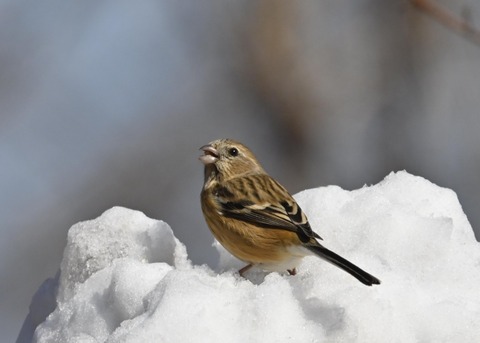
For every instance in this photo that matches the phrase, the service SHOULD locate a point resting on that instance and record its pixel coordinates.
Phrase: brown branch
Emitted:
(448, 19)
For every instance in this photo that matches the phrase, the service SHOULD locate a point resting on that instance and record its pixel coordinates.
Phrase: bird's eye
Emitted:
(233, 151)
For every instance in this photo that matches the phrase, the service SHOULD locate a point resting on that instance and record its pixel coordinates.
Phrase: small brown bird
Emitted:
(255, 218)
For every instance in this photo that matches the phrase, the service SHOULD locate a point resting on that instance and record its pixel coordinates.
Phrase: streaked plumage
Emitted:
(255, 218)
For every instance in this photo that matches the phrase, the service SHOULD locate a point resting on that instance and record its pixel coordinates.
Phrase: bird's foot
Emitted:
(245, 269)
(292, 271)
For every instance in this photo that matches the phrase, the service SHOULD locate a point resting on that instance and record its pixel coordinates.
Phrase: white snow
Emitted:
(126, 278)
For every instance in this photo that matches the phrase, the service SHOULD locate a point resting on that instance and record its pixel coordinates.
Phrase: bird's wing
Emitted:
(260, 200)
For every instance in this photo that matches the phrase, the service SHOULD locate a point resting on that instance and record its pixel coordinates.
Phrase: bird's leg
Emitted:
(244, 269)
(292, 271)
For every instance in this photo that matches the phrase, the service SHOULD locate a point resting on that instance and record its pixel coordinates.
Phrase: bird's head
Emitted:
(226, 159)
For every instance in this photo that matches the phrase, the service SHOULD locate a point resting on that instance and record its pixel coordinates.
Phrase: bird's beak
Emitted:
(210, 156)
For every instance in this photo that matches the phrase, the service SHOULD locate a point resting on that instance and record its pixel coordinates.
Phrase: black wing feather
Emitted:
(286, 214)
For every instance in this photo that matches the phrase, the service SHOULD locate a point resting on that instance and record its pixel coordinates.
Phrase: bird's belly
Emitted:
(271, 248)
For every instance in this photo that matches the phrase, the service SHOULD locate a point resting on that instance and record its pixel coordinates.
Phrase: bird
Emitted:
(255, 218)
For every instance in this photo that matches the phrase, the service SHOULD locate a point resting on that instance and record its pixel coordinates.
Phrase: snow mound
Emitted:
(126, 278)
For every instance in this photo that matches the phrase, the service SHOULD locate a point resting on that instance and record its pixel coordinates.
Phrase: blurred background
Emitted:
(106, 103)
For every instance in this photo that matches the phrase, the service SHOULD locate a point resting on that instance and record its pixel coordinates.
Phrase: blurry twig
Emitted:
(448, 19)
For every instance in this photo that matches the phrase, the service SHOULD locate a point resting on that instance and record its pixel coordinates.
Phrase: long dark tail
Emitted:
(342, 263)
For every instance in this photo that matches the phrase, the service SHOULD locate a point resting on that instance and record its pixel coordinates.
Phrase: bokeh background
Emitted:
(105, 103)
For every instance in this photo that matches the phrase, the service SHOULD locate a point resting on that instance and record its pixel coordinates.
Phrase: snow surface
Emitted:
(126, 278)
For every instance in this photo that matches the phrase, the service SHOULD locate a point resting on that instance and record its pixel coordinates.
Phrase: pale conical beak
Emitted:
(210, 156)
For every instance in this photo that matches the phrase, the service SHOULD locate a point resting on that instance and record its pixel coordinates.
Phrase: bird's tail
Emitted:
(342, 263)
